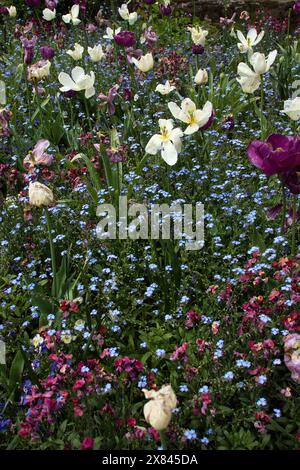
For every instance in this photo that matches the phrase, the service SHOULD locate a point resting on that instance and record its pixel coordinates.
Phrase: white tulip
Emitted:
(167, 142)
(195, 118)
(144, 63)
(110, 33)
(78, 81)
(77, 52)
(260, 63)
(165, 89)
(40, 195)
(72, 17)
(292, 108)
(157, 414)
(252, 39)
(125, 15)
(96, 53)
(12, 11)
(48, 14)
(198, 35)
(201, 77)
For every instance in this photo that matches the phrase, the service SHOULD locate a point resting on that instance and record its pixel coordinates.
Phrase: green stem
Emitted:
(283, 208)
(163, 439)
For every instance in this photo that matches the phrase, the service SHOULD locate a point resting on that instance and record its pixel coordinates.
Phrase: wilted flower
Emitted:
(201, 77)
(144, 63)
(158, 411)
(96, 53)
(278, 154)
(227, 22)
(165, 89)
(167, 142)
(40, 195)
(39, 70)
(244, 15)
(125, 38)
(48, 14)
(77, 52)
(109, 99)
(38, 155)
(292, 108)
(5, 117)
(198, 35)
(187, 113)
(292, 355)
(125, 15)
(78, 81)
(72, 17)
(149, 37)
(252, 39)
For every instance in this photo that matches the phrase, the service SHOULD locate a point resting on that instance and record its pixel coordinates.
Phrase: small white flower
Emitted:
(167, 142)
(252, 39)
(77, 52)
(48, 14)
(124, 13)
(291, 108)
(144, 63)
(201, 77)
(78, 81)
(96, 53)
(195, 118)
(165, 89)
(72, 17)
(110, 33)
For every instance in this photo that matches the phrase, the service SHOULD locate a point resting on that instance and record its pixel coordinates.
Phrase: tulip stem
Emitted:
(294, 227)
(163, 440)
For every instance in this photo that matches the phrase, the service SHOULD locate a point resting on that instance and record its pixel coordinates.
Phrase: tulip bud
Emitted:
(40, 195)
(201, 77)
(157, 414)
(12, 11)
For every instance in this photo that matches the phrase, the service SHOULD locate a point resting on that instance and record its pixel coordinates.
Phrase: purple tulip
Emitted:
(165, 9)
(51, 4)
(47, 52)
(125, 38)
(149, 2)
(296, 7)
(33, 3)
(279, 154)
(291, 180)
(109, 98)
(197, 49)
(3, 10)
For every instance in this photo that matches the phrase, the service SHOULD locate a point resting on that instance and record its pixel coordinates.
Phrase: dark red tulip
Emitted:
(291, 180)
(33, 3)
(197, 49)
(209, 122)
(3, 10)
(125, 38)
(279, 154)
(165, 9)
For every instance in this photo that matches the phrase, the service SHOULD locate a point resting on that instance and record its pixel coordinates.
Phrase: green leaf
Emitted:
(16, 372)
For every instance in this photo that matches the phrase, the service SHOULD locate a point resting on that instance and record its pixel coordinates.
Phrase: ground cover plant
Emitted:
(124, 343)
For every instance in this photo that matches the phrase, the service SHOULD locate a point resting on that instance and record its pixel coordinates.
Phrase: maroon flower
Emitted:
(279, 154)
(165, 9)
(3, 10)
(209, 122)
(87, 443)
(197, 49)
(33, 3)
(47, 52)
(125, 38)
(149, 2)
(296, 6)
(291, 180)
